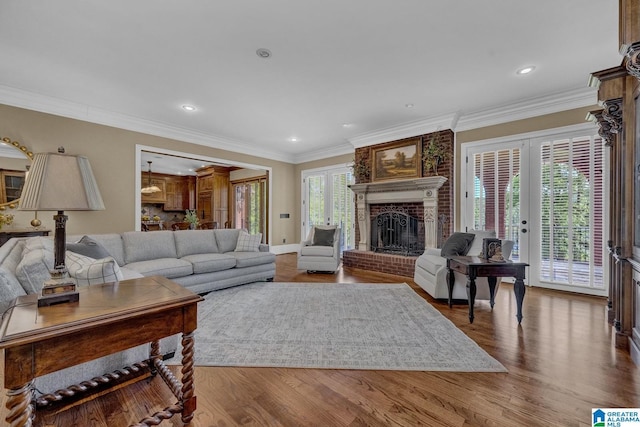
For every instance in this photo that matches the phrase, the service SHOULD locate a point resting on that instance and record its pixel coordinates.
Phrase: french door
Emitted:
(327, 200)
(250, 206)
(547, 194)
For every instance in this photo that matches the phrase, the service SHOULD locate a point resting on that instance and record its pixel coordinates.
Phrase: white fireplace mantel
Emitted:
(423, 190)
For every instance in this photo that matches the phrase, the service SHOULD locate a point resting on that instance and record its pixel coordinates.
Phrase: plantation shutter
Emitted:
(497, 193)
(571, 196)
(343, 212)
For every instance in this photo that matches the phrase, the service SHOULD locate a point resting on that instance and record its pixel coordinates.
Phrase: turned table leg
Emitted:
(450, 282)
(519, 291)
(188, 398)
(471, 295)
(21, 410)
(492, 290)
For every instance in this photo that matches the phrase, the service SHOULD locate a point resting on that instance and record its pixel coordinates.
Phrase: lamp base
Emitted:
(59, 289)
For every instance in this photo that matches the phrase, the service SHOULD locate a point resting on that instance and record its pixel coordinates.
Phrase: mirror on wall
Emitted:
(15, 159)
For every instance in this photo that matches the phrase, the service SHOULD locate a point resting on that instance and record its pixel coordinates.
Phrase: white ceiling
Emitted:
(132, 64)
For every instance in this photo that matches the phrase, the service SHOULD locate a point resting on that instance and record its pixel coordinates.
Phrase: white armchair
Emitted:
(320, 251)
(431, 270)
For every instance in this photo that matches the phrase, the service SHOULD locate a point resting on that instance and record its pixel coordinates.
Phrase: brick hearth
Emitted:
(384, 263)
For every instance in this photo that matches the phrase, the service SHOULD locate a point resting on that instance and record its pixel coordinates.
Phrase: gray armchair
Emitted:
(320, 251)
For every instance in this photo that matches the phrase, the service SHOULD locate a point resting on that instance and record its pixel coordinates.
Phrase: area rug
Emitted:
(334, 326)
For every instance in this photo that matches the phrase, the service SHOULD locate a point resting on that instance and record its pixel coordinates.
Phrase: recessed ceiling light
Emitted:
(525, 70)
(347, 125)
(293, 139)
(188, 107)
(263, 53)
(408, 105)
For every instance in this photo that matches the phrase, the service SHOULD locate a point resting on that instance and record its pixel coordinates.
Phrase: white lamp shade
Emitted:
(60, 182)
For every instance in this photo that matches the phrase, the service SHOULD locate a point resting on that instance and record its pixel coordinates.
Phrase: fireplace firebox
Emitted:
(395, 231)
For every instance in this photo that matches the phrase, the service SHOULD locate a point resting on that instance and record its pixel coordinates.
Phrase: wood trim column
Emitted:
(611, 84)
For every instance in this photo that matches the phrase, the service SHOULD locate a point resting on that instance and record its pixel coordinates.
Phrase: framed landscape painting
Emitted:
(399, 160)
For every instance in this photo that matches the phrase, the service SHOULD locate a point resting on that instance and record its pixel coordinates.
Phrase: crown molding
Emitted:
(555, 133)
(405, 130)
(517, 111)
(324, 153)
(59, 107)
(532, 107)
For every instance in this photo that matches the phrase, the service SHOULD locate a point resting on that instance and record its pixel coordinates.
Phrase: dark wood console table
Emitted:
(5, 235)
(474, 267)
(108, 318)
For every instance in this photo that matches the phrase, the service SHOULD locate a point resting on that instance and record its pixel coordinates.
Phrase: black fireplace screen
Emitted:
(396, 232)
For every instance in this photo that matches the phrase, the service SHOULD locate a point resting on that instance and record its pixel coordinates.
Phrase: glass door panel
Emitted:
(495, 202)
(571, 191)
(327, 200)
(547, 195)
(249, 206)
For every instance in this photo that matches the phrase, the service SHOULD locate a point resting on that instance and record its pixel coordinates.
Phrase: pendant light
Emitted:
(150, 188)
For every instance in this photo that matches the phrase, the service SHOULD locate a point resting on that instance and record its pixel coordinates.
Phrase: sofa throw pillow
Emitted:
(248, 242)
(323, 236)
(10, 288)
(457, 244)
(36, 263)
(89, 271)
(88, 247)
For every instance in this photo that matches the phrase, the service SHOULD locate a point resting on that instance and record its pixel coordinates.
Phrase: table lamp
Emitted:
(60, 182)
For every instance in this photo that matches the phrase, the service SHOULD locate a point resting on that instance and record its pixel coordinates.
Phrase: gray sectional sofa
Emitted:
(200, 260)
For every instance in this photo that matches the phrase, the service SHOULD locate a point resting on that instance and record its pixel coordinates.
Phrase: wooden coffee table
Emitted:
(473, 267)
(108, 318)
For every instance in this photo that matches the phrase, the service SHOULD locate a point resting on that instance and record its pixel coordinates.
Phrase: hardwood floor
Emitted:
(561, 363)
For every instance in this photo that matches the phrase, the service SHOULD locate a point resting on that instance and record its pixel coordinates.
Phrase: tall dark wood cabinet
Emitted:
(213, 192)
(619, 122)
(180, 193)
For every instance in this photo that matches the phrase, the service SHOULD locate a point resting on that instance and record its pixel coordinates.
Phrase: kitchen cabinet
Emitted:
(180, 193)
(212, 187)
(158, 196)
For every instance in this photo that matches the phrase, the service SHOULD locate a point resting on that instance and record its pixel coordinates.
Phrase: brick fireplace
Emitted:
(418, 197)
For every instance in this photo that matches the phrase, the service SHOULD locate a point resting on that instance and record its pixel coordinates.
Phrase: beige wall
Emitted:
(242, 174)
(111, 152)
